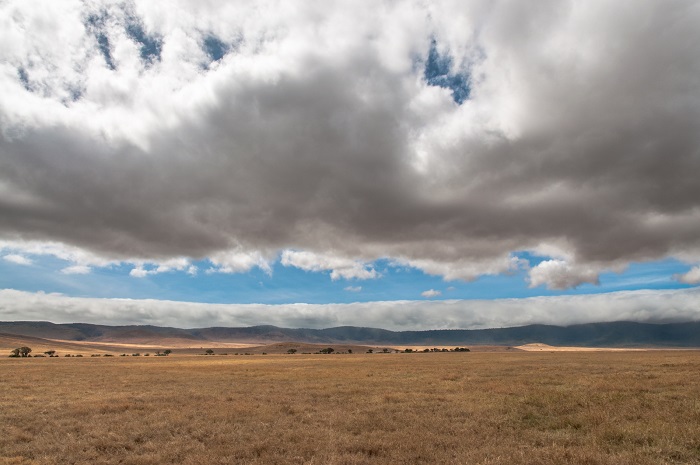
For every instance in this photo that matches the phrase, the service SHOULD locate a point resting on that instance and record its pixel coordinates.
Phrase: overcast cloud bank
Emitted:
(641, 306)
(442, 135)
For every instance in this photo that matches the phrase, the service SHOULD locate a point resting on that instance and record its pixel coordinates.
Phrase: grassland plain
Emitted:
(435, 408)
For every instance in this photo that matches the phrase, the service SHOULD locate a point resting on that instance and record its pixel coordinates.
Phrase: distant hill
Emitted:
(617, 334)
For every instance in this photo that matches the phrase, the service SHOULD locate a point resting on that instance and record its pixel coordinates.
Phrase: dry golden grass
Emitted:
(437, 408)
(179, 347)
(62, 347)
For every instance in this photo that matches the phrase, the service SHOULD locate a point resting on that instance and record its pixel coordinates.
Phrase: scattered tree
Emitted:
(24, 351)
(369, 351)
(50, 353)
(209, 352)
(329, 350)
(291, 351)
(349, 351)
(15, 353)
(167, 351)
(385, 350)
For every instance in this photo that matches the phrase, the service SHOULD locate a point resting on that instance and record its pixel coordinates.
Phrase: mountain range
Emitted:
(615, 334)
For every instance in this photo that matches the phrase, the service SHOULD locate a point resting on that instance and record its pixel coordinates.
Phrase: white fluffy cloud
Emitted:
(167, 266)
(17, 259)
(431, 293)
(76, 269)
(642, 306)
(559, 274)
(445, 135)
(339, 267)
(238, 261)
(691, 277)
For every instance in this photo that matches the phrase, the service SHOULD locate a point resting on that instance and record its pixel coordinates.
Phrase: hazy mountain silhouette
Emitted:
(617, 334)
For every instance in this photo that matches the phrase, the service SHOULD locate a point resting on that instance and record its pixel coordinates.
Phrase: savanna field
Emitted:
(451, 408)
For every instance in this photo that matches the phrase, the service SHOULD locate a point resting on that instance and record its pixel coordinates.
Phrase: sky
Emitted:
(398, 164)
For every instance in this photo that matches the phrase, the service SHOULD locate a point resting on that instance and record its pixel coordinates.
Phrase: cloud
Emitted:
(340, 267)
(58, 250)
(559, 274)
(139, 272)
(17, 259)
(353, 288)
(76, 269)
(431, 293)
(642, 306)
(167, 266)
(238, 261)
(446, 136)
(691, 277)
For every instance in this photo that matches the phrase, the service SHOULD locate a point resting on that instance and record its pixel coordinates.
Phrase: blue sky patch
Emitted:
(291, 285)
(95, 24)
(438, 72)
(150, 45)
(214, 47)
(24, 78)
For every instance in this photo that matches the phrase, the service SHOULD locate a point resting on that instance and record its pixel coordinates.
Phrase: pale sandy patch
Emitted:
(536, 347)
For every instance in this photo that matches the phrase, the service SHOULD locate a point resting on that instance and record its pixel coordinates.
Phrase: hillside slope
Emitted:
(618, 334)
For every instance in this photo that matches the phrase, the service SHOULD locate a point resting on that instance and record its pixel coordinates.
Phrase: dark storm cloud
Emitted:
(572, 133)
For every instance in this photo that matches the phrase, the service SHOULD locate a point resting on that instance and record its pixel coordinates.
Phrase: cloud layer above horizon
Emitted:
(445, 136)
(658, 306)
